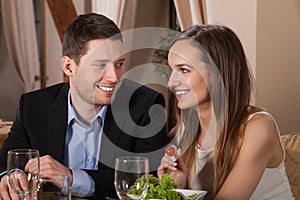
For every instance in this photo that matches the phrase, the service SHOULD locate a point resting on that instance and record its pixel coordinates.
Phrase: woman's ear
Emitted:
(67, 65)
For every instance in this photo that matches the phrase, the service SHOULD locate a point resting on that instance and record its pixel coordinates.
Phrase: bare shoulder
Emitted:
(261, 133)
(262, 125)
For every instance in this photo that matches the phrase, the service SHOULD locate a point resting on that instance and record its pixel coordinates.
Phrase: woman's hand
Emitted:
(173, 164)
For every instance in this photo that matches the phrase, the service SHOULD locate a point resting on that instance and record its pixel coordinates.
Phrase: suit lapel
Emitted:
(57, 124)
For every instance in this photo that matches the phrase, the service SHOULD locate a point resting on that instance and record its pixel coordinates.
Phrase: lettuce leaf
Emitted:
(158, 188)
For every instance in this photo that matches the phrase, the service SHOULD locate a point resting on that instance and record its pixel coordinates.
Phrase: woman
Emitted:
(227, 146)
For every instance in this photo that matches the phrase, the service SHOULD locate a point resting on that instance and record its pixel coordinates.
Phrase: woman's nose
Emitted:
(174, 79)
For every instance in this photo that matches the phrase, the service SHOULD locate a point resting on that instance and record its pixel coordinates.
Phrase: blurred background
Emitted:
(31, 35)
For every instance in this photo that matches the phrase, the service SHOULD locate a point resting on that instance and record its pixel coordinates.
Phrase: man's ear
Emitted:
(67, 65)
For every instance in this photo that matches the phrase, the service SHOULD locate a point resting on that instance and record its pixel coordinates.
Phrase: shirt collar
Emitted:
(72, 115)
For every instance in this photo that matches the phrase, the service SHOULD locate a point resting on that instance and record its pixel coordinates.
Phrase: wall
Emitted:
(278, 63)
(240, 16)
(270, 33)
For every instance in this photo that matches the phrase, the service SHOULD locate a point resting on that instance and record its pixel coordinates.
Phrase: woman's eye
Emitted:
(183, 70)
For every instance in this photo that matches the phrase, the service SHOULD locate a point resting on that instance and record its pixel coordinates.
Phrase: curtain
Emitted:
(112, 9)
(191, 12)
(122, 12)
(115, 11)
(20, 36)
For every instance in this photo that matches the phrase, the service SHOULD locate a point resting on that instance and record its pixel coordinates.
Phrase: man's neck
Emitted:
(85, 111)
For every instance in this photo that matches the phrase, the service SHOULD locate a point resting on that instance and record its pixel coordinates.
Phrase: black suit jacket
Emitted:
(130, 126)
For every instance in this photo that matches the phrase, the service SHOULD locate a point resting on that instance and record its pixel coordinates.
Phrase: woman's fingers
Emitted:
(168, 163)
(173, 164)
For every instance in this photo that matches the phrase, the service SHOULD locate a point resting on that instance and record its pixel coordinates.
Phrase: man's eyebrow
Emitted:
(121, 59)
(101, 60)
(107, 60)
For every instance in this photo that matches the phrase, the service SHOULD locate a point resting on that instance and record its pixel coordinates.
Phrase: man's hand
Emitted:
(6, 193)
(49, 165)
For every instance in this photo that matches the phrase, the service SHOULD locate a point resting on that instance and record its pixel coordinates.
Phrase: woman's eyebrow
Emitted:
(183, 64)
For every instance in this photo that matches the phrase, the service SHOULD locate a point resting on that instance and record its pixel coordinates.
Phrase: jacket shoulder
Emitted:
(48, 92)
(46, 97)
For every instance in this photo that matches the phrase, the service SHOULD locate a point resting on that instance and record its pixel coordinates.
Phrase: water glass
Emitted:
(54, 187)
(127, 170)
(23, 182)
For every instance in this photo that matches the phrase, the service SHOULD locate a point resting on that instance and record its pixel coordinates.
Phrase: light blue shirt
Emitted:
(82, 149)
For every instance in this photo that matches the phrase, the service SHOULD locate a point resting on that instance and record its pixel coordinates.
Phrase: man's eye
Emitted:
(102, 65)
(120, 64)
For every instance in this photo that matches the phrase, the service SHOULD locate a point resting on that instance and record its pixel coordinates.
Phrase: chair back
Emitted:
(291, 142)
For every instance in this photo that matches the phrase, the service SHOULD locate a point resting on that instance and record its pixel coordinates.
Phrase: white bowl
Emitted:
(201, 193)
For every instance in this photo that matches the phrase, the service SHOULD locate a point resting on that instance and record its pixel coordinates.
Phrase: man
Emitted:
(80, 127)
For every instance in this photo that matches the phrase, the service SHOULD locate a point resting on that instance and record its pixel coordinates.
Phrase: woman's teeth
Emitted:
(181, 92)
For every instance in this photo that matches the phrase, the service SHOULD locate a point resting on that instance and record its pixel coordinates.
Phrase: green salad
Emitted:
(160, 189)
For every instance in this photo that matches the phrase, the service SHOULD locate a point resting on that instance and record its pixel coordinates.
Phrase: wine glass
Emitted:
(20, 180)
(128, 170)
(54, 187)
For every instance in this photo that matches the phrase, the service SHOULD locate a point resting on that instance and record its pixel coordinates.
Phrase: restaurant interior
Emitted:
(32, 32)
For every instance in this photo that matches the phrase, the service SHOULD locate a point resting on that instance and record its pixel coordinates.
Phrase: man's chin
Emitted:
(103, 103)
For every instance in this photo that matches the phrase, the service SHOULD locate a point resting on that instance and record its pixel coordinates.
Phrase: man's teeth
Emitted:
(106, 89)
(182, 92)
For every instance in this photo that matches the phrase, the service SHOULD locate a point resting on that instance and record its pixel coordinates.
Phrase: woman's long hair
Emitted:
(223, 47)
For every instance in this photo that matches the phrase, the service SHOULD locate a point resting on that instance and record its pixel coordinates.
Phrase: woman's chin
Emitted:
(183, 106)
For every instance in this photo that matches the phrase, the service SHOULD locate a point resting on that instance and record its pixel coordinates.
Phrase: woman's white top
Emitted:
(204, 173)
(274, 184)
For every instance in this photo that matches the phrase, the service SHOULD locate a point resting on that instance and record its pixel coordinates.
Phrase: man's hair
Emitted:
(85, 28)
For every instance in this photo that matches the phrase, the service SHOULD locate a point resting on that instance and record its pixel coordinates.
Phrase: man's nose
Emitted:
(111, 74)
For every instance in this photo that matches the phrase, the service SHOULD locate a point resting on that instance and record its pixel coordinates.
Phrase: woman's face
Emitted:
(189, 75)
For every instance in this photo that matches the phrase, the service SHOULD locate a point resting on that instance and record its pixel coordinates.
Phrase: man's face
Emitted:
(98, 72)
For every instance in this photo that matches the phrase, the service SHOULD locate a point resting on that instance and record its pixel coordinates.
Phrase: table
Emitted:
(4, 129)
(81, 198)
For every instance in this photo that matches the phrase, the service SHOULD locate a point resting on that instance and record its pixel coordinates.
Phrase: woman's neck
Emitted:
(208, 133)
